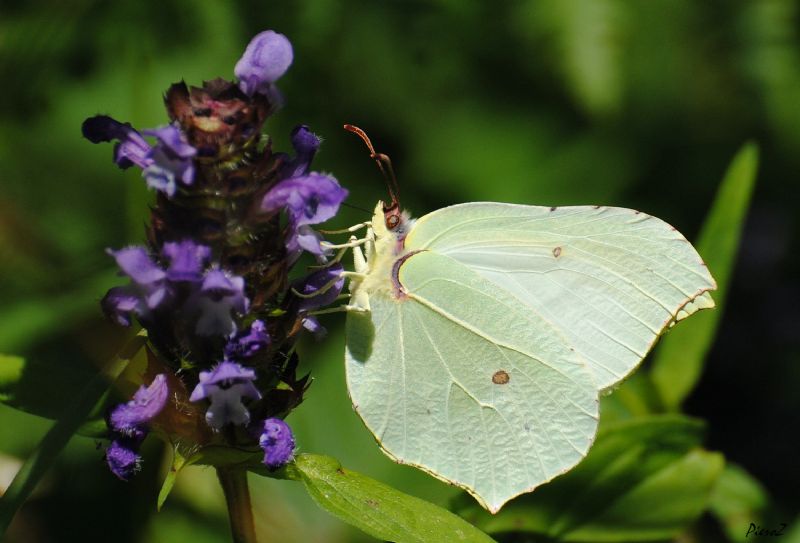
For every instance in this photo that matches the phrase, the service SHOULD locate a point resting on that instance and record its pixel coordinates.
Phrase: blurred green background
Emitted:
(629, 103)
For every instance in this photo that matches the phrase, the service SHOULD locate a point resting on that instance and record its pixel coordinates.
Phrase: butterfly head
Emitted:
(390, 222)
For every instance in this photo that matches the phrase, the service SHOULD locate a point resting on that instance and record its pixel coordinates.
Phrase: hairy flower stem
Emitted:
(237, 497)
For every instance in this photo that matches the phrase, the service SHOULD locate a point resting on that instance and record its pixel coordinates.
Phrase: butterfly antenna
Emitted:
(384, 165)
(359, 208)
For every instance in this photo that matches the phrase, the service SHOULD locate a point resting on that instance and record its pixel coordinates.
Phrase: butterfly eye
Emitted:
(392, 221)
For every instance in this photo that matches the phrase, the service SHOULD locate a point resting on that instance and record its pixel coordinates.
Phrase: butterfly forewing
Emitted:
(609, 280)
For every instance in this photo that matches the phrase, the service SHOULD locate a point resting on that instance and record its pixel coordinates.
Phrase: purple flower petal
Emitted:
(130, 418)
(309, 199)
(133, 151)
(102, 128)
(313, 325)
(306, 144)
(136, 263)
(317, 280)
(225, 386)
(220, 295)
(162, 166)
(123, 459)
(278, 443)
(172, 140)
(249, 343)
(132, 147)
(120, 303)
(308, 239)
(218, 284)
(227, 407)
(149, 279)
(224, 372)
(187, 260)
(266, 59)
(164, 171)
(160, 179)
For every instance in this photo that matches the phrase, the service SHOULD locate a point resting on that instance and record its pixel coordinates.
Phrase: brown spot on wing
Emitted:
(557, 252)
(500, 377)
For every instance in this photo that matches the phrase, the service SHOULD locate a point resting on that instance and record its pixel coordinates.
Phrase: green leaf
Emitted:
(792, 532)
(644, 480)
(737, 500)
(660, 506)
(43, 388)
(378, 509)
(10, 373)
(73, 415)
(178, 463)
(634, 397)
(679, 360)
(30, 320)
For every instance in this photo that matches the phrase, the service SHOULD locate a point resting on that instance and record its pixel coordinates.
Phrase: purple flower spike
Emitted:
(187, 260)
(131, 418)
(278, 443)
(123, 458)
(266, 59)
(318, 280)
(247, 344)
(219, 296)
(225, 386)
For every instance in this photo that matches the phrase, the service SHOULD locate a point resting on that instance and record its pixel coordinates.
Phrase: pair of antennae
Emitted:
(384, 165)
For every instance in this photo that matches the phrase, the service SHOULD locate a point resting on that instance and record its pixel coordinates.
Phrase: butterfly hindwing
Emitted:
(455, 376)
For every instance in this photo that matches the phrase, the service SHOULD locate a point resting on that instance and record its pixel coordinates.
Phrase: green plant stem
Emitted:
(240, 511)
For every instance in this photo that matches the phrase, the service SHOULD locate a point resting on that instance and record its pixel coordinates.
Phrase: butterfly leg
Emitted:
(369, 246)
(327, 286)
(354, 228)
(335, 260)
(354, 242)
(361, 267)
(360, 262)
(340, 309)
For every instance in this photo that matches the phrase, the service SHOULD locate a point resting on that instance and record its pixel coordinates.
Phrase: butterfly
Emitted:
(480, 336)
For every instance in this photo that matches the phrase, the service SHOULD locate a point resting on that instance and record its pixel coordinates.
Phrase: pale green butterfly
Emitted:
(480, 335)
